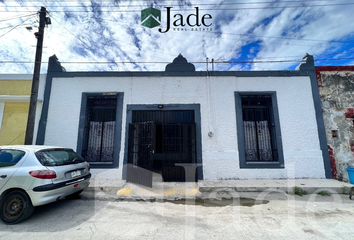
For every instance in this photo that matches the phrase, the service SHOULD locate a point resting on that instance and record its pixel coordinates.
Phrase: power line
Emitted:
(221, 37)
(17, 17)
(115, 40)
(195, 62)
(285, 38)
(174, 55)
(15, 27)
(179, 5)
(244, 34)
(345, 51)
(210, 9)
(240, 34)
(18, 22)
(233, 34)
(24, 3)
(298, 56)
(6, 27)
(79, 38)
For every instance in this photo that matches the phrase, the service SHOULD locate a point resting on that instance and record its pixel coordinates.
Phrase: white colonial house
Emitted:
(188, 125)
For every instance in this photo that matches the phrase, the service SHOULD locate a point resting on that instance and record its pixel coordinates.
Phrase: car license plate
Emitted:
(75, 174)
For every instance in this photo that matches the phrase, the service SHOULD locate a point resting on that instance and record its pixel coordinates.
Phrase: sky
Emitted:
(238, 35)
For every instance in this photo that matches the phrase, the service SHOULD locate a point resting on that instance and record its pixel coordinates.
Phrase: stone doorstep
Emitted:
(140, 194)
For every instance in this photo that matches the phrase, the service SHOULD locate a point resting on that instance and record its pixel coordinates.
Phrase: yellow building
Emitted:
(15, 91)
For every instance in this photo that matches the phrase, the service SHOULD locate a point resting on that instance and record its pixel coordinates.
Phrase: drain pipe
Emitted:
(211, 124)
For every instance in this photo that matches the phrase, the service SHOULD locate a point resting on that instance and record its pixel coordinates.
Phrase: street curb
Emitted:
(309, 190)
(120, 190)
(111, 194)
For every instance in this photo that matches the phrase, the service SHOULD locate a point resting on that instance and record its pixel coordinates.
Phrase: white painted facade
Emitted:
(300, 139)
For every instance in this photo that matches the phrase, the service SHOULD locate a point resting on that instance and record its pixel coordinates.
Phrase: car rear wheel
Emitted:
(15, 207)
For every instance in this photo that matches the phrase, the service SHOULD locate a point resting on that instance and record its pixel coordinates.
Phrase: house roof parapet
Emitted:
(307, 63)
(180, 64)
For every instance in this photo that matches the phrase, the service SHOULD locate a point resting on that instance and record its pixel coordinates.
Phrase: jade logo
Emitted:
(150, 17)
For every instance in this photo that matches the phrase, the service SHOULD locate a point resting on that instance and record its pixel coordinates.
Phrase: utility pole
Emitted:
(43, 20)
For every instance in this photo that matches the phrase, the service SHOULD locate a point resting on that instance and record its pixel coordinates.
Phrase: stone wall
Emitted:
(336, 86)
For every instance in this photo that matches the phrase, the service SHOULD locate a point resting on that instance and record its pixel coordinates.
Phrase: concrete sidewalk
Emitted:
(121, 190)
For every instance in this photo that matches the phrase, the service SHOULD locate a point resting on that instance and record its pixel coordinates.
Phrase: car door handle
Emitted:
(3, 176)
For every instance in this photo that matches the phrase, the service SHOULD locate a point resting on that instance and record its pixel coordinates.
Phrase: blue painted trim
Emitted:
(307, 66)
(197, 116)
(320, 125)
(118, 130)
(42, 125)
(240, 132)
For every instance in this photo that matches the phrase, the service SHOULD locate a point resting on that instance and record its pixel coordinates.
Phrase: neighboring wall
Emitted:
(15, 90)
(336, 86)
(14, 122)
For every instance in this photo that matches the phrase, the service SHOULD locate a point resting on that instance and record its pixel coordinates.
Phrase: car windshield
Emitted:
(9, 157)
(58, 157)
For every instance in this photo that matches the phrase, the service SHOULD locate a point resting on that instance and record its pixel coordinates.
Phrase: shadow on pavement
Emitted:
(57, 216)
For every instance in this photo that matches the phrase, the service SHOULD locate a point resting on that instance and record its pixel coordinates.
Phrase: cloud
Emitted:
(105, 31)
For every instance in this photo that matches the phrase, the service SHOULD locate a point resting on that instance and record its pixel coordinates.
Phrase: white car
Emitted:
(32, 175)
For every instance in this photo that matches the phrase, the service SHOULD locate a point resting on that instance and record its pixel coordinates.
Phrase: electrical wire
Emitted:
(17, 17)
(24, 3)
(6, 27)
(220, 33)
(195, 62)
(115, 40)
(207, 9)
(252, 35)
(15, 27)
(81, 40)
(329, 54)
(18, 22)
(180, 5)
(247, 35)
(285, 38)
(194, 33)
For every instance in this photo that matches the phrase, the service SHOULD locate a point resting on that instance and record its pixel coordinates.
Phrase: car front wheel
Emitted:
(15, 207)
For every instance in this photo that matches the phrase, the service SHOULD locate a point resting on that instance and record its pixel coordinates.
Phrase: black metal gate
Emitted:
(140, 150)
(178, 148)
(161, 142)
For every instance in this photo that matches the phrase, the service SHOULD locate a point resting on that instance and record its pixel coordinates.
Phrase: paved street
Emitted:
(283, 217)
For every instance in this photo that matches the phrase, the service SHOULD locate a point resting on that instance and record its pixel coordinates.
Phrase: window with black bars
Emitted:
(259, 128)
(100, 129)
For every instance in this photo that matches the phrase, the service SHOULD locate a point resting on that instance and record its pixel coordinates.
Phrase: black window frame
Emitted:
(118, 127)
(240, 132)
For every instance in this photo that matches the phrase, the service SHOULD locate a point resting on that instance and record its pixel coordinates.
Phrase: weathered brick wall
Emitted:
(336, 87)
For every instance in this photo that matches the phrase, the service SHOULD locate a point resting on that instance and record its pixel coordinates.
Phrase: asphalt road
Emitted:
(283, 217)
